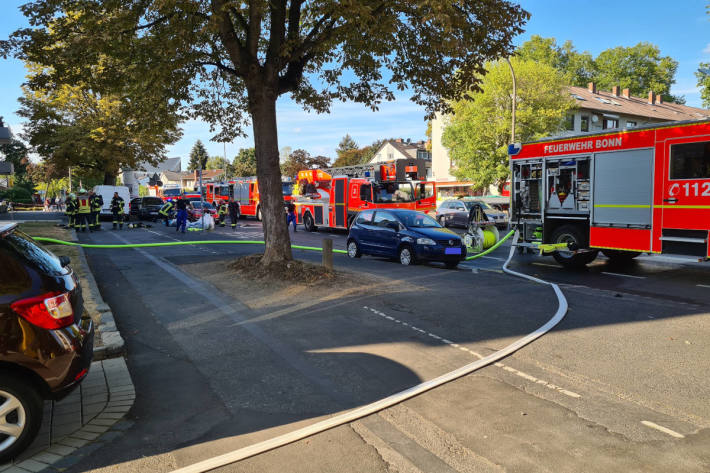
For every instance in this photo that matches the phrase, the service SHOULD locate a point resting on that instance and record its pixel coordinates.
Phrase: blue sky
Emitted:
(681, 30)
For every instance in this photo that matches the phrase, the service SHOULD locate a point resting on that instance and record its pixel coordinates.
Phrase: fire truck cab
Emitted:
(333, 198)
(624, 192)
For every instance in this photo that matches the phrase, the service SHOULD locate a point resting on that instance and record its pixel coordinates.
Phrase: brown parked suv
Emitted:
(46, 345)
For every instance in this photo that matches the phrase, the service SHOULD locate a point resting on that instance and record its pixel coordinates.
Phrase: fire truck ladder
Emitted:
(358, 170)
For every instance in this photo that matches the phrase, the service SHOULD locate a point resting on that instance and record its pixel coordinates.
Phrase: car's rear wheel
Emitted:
(451, 264)
(406, 256)
(20, 416)
(354, 249)
(308, 223)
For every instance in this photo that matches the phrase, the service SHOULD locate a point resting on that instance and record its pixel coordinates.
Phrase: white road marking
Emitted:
(493, 257)
(665, 430)
(509, 369)
(703, 285)
(624, 275)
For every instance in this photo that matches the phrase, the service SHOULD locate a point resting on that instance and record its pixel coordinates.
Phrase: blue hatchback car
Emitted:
(407, 235)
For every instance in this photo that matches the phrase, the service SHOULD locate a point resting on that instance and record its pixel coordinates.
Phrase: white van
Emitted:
(106, 192)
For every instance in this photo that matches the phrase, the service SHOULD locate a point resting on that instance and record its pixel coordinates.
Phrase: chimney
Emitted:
(592, 87)
(615, 90)
(651, 97)
(398, 140)
(659, 99)
(625, 93)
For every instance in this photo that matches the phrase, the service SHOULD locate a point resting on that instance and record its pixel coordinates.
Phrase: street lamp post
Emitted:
(515, 100)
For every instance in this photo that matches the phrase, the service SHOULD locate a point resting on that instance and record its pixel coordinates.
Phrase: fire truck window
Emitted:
(425, 191)
(403, 192)
(366, 193)
(690, 161)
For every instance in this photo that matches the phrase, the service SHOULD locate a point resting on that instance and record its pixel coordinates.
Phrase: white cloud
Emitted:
(706, 50)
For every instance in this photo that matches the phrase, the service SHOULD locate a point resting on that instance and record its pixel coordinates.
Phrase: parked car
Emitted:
(46, 342)
(197, 207)
(408, 235)
(146, 208)
(454, 213)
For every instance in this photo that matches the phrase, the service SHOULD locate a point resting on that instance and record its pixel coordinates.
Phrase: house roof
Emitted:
(176, 176)
(211, 173)
(408, 149)
(606, 102)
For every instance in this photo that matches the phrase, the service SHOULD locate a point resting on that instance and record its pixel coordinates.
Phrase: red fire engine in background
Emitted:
(245, 190)
(332, 197)
(623, 192)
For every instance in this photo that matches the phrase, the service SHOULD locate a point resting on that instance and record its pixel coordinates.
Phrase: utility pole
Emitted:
(202, 197)
(515, 100)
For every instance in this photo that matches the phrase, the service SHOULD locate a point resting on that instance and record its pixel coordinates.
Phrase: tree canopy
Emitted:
(346, 144)
(704, 83)
(217, 162)
(640, 68)
(244, 163)
(225, 61)
(97, 134)
(356, 156)
(478, 133)
(300, 160)
(198, 157)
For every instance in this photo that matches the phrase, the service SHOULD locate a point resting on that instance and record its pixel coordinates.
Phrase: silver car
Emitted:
(454, 213)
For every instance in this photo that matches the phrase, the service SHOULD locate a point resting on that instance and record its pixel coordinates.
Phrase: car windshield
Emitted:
(414, 219)
(469, 204)
(171, 192)
(152, 201)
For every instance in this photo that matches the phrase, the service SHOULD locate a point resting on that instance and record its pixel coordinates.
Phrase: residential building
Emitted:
(134, 178)
(393, 150)
(599, 110)
(596, 110)
(189, 180)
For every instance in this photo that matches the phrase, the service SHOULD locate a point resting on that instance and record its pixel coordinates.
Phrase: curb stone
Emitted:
(112, 342)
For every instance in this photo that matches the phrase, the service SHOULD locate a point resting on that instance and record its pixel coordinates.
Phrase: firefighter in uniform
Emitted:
(117, 210)
(222, 213)
(234, 210)
(84, 211)
(96, 202)
(71, 210)
(165, 211)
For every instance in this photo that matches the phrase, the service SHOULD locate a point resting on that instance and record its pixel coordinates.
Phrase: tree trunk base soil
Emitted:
(251, 267)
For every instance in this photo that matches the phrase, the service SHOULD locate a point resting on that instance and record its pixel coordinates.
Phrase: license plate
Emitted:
(452, 251)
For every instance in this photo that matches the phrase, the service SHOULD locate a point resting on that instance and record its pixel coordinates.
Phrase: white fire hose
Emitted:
(366, 410)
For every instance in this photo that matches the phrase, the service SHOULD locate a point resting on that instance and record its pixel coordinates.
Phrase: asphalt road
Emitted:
(620, 385)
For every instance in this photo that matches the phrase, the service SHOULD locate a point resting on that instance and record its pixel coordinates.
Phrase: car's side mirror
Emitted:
(393, 225)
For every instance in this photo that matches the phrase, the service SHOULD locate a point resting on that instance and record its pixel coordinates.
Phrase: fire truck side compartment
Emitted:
(623, 189)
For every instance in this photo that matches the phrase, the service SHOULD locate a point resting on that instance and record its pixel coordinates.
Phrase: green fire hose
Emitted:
(225, 242)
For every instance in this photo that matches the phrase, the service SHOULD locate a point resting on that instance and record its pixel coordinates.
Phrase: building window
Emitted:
(584, 123)
(569, 122)
(611, 123)
(390, 156)
(423, 154)
(690, 161)
(630, 124)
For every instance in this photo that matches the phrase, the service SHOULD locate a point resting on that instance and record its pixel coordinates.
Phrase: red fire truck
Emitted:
(245, 190)
(332, 197)
(624, 192)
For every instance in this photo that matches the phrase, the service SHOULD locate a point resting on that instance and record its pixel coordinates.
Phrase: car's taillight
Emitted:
(51, 311)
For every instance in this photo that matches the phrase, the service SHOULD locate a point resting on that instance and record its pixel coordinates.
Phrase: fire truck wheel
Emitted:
(308, 223)
(570, 259)
(353, 249)
(406, 256)
(620, 256)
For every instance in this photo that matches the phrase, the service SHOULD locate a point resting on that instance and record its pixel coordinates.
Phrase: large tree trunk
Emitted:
(268, 172)
(109, 178)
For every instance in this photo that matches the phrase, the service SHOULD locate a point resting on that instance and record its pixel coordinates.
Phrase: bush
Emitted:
(17, 194)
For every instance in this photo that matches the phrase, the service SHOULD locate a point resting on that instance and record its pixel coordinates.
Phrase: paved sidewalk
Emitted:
(89, 415)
